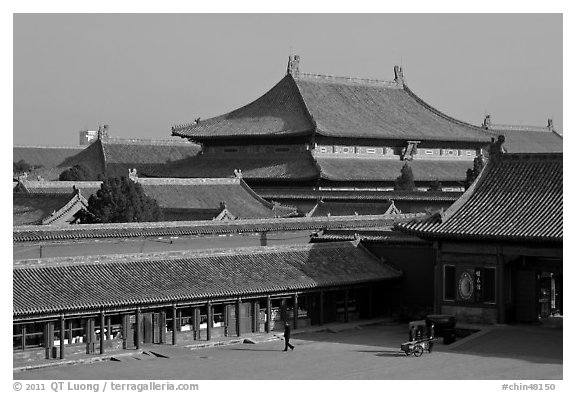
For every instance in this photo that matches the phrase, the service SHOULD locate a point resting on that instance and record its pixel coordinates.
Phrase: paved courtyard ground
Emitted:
(369, 353)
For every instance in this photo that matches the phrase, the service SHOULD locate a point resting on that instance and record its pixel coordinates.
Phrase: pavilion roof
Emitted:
(67, 285)
(303, 104)
(230, 193)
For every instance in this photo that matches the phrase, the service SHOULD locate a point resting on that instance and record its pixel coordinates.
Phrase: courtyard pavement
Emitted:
(338, 352)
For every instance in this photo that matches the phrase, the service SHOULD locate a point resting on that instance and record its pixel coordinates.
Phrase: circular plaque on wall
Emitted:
(466, 286)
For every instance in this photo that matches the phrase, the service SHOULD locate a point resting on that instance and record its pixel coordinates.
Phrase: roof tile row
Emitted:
(516, 198)
(80, 284)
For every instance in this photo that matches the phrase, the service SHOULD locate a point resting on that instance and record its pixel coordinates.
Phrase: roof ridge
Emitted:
(515, 127)
(42, 194)
(60, 182)
(348, 79)
(164, 255)
(144, 141)
(186, 180)
(51, 147)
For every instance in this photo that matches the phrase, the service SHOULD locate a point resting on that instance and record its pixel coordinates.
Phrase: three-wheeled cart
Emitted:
(421, 338)
(417, 347)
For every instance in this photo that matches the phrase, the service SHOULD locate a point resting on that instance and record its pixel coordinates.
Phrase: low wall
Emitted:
(39, 353)
(481, 315)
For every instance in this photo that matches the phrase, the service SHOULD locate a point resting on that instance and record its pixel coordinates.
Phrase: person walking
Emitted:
(287, 337)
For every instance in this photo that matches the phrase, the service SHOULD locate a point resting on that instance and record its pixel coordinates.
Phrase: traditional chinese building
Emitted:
(70, 305)
(499, 247)
(179, 199)
(317, 134)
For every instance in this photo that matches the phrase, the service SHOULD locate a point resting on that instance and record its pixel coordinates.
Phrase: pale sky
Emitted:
(144, 73)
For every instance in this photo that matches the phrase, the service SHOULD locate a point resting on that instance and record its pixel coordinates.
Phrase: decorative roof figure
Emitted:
(293, 65)
(132, 174)
(398, 75)
(496, 149)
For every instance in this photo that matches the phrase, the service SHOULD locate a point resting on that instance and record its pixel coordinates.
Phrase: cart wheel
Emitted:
(407, 352)
(418, 351)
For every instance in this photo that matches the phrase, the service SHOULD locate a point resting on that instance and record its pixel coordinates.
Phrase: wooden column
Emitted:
(162, 327)
(196, 322)
(109, 327)
(295, 312)
(102, 334)
(321, 319)
(23, 337)
(209, 320)
(125, 329)
(90, 335)
(62, 335)
(238, 332)
(174, 324)
(48, 338)
(268, 314)
(70, 332)
(138, 328)
(255, 316)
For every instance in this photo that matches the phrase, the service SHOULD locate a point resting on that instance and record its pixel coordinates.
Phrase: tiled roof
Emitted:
(279, 112)
(191, 228)
(324, 209)
(53, 209)
(520, 140)
(338, 107)
(239, 199)
(370, 169)
(296, 166)
(115, 156)
(516, 198)
(345, 107)
(47, 156)
(366, 235)
(201, 195)
(91, 283)
(87, 188)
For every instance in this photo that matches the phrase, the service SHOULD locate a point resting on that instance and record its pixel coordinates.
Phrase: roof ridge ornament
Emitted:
(293, 65)
(496, 149)
(398, 75)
